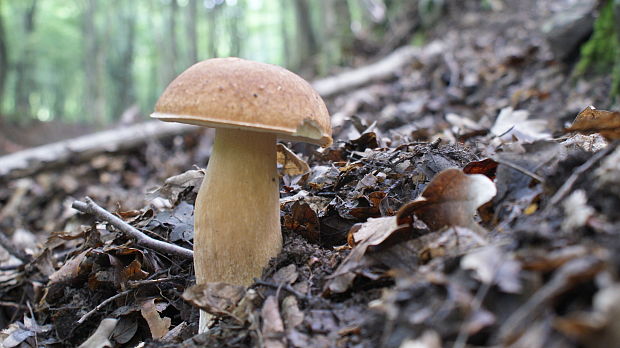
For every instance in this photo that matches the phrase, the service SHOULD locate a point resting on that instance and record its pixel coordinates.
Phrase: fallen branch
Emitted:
(140, 238)
(381, 70)
(30, 161)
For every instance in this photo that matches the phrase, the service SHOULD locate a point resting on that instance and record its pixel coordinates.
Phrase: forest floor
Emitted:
(518, 247)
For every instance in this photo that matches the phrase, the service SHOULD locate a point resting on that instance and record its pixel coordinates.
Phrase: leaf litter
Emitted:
(388, 241)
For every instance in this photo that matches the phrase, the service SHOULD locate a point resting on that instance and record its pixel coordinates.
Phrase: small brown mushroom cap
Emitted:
(241, 94)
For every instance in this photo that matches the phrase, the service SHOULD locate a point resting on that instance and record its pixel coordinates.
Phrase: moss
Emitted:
(601, 54)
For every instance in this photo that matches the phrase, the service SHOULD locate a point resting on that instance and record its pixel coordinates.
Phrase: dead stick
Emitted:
(140, 238)
(101, 305)
(568, 184)
(12, 249)
(286, 287)
(521, 169)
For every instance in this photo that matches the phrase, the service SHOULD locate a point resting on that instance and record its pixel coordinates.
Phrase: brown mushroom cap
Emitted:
(242, 94)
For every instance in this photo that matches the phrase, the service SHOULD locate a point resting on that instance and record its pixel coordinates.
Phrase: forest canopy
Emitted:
(91, 60)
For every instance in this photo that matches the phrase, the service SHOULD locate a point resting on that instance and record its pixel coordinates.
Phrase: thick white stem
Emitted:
(237, 215)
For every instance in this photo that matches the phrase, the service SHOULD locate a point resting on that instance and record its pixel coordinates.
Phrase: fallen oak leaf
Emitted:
(69, 271)
(215, 298)
(514, 123)
(291, 164)
(125, 330)
(159, 326)
(100, 338)
(291, 314)
(487, 167)
(590, 120)
(133, 271)
(493, 266)
(273, 326)
(304, 220)
(450, 199)
(174, 185)
(286, 275)
(372, 232)
(452, 242)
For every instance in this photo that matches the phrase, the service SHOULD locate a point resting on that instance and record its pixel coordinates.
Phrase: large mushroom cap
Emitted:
(242, 94)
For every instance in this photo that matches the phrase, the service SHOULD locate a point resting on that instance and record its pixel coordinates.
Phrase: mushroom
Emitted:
(237, 212)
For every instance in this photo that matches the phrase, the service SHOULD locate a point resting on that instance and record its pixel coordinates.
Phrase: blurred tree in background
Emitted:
(91, 61)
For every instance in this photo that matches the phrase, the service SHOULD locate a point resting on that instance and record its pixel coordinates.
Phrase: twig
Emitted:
(12, 249)
(286, 287)
(483, 290)
(101, 305)
(13, 304)
(568, 184)
(137, 283)
(36, 325)
(568, 275)
(92, 208)
(521, 169)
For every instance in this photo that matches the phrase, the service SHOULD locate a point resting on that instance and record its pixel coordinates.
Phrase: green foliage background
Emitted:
(54, 57)
(601, 54)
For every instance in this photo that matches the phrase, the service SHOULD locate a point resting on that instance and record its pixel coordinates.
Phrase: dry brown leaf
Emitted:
(133, 271)
(125, 330)
(293, 317)
(429, 339)
(286, 275)
(304, 220)
(291, 164)
(174, 185)
(100, 338)
(372, 232)
(599, 328)
(273, 327)
(450, 199)
(590, 143)
(215, 298)
(590, 120)
(492, 266)
(159, 326)
(451, 242)
(487, 167)
(515, 124)
(69, 270)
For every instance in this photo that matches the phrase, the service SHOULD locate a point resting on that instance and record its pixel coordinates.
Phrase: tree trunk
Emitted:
(155, 76)
(337, 36)
(306, 40)
(192, 34)
(121, 63)
(171, 51)
(94, 103)
(4, 59)
(287, 52)
(212, 34)
(24, 75)
(234, 21)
